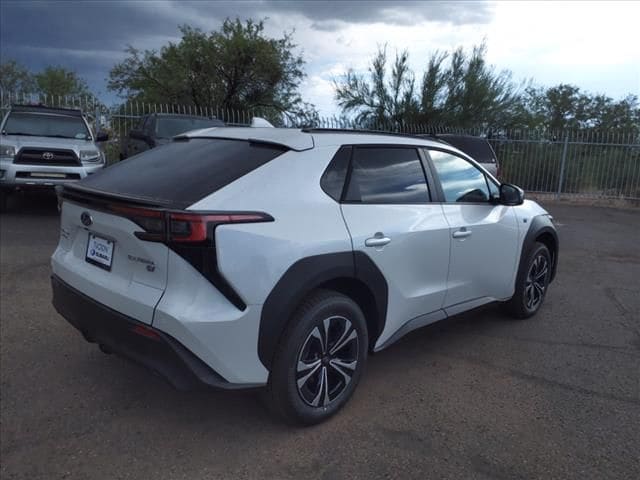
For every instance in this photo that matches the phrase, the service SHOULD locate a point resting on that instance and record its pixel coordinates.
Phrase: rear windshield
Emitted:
(46, 125)
(182, 172)
(171, 126)
(476, 147)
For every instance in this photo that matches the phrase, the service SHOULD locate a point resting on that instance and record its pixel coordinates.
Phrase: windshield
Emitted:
(46, 125)
(170, 127)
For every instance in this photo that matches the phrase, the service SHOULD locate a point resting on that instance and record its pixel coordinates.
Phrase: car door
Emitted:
(484, 234)
(387, 208)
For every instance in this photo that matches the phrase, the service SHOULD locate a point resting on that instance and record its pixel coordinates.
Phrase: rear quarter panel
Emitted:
(307, 222)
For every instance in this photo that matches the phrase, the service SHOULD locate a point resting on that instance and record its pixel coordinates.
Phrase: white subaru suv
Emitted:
(281, 258)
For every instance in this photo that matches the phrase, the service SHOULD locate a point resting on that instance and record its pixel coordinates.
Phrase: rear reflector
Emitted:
(146, 332)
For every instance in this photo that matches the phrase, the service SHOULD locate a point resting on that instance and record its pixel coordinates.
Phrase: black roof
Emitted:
(42, 109)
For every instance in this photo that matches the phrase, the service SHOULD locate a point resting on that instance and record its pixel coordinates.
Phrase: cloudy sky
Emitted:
(591, 44)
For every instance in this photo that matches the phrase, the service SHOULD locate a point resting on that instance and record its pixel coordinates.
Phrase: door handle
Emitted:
(378, 240)
(462, 233)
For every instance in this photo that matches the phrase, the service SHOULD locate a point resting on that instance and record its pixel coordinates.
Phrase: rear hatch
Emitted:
(100, 255)
(118, 225)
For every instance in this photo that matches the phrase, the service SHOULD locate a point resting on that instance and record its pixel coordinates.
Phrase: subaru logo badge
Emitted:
(86, 219)
(47, 156)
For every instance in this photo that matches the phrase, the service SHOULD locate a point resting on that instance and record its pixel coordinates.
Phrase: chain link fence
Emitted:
(586, 163)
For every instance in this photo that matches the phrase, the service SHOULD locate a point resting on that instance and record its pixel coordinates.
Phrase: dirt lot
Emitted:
(477, 396)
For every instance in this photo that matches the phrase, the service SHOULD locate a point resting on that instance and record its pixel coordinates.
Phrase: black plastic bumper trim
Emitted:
(164, 355)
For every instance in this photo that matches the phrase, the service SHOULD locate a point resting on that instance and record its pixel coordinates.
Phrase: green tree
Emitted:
(60, 82)
(382, 98)
(603, 112)
(565, 106)
(237, 67)
(15, 79)
(458, 89)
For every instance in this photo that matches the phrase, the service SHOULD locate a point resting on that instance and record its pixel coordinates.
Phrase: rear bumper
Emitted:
(151, 348)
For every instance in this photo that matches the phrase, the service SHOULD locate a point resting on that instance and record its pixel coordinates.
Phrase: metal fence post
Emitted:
(562, 165)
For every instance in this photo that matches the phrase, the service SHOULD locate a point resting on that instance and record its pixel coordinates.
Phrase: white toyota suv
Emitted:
(41, 147)
(280, 258)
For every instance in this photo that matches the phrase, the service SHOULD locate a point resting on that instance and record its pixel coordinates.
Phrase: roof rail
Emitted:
(373, 132)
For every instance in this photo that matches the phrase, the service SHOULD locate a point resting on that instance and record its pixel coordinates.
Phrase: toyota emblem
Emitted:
(86, 219)
(47, 156)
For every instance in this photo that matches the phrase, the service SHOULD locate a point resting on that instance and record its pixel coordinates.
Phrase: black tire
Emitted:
(532, 283)
(303, 344)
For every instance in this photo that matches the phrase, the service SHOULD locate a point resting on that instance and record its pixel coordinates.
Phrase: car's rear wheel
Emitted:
(320, 359)
(531, 283)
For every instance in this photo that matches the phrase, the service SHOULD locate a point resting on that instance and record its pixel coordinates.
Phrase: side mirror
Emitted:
(102, 137)
(511, 194)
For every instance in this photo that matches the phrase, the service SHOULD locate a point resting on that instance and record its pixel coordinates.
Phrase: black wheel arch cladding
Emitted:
(303, 277)
(541, 229)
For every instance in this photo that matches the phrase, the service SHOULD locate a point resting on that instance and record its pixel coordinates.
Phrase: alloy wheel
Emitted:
(327, 361)
(536, 282)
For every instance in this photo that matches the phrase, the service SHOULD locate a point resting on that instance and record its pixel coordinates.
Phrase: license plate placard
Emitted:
(99, 251)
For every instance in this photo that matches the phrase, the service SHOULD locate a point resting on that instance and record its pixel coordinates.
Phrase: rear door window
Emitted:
(184, 171)
(386, 175)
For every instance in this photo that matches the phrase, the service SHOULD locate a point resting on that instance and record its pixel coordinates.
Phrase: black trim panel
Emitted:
(413, 324)
(305, 275)
(164, 355)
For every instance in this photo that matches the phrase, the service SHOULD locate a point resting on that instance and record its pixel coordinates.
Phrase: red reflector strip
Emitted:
(138, 212)
(146, 332)
(246, 217)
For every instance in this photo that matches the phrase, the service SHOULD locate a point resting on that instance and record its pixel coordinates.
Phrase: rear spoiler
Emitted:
(85, 195)
(288, 138)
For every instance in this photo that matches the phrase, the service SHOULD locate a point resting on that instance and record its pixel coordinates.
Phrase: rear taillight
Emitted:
(195, 227)
(183, 227)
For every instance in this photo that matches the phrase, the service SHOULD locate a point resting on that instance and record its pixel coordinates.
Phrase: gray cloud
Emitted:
(91, 36)
(332, 15)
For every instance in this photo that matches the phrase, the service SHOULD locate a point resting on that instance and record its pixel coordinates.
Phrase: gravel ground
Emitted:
(476, 396)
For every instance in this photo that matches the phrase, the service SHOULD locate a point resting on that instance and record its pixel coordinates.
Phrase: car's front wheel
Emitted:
(320, 359)
(531, 283)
